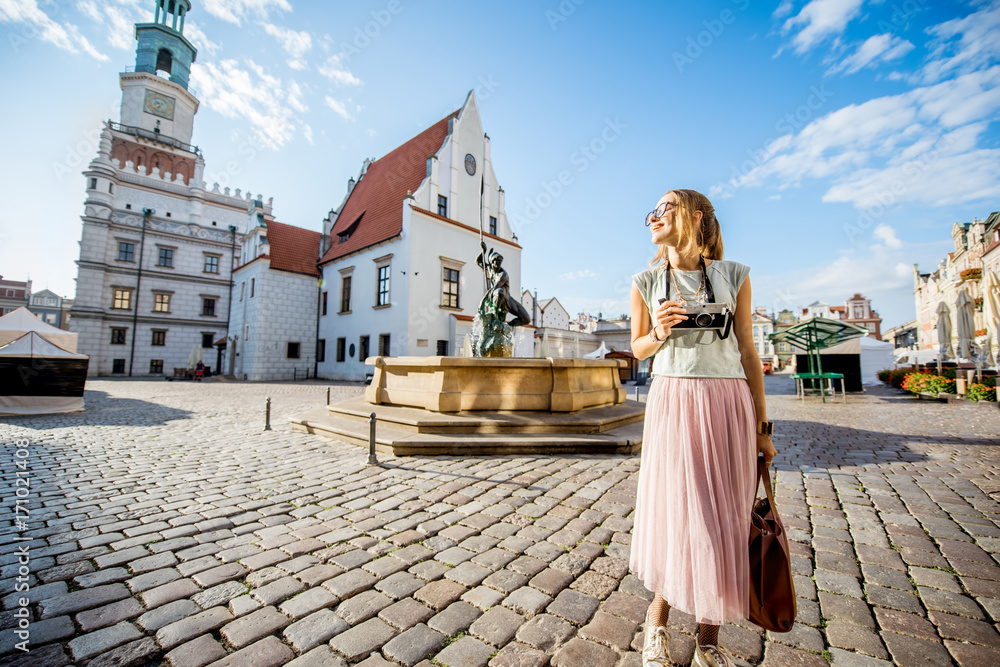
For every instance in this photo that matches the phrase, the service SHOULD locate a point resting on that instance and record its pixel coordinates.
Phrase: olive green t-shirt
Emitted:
(691, 352)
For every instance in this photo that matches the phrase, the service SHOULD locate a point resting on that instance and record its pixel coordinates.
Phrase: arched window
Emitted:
(164, 61)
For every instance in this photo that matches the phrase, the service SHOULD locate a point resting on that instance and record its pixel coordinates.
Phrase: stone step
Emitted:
(625, 439)
(416, 420)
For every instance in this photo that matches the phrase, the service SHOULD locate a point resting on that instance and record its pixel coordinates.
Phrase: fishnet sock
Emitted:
(659, 610)
(708, 635)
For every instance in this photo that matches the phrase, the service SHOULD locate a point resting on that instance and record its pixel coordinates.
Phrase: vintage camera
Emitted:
(705, 316)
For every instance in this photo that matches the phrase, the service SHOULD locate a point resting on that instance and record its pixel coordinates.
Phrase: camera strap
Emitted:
(704, 276)
(710, 293)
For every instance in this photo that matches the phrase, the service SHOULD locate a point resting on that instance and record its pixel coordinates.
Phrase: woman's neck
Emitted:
(685, 262)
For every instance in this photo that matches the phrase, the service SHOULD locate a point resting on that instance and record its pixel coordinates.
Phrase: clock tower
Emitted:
(155, 95)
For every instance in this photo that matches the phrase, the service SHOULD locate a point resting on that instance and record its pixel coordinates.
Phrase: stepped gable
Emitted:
(379, 195)
(293, 249)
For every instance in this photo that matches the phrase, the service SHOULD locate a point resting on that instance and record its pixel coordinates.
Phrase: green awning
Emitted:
(816, 334)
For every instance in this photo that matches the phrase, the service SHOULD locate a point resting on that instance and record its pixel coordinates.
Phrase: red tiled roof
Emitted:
(380, 192)
(293, 249)
(838, 309)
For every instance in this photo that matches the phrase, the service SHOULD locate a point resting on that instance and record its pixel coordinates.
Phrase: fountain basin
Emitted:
(457, 384)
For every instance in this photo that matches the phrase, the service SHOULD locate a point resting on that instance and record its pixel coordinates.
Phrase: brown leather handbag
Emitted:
(772, 591)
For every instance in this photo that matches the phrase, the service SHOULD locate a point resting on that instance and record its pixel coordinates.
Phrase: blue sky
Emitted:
(838, 139)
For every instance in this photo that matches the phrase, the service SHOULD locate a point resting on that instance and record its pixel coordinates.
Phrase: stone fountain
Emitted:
(492, 403)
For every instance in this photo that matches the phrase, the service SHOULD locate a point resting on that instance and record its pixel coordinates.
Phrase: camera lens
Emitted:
(703, 320)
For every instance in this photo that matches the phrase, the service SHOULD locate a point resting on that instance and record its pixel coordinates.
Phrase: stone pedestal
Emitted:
(478, 406)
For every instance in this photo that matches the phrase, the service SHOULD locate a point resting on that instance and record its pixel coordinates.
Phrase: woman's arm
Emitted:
(743, 328)
(643, 346)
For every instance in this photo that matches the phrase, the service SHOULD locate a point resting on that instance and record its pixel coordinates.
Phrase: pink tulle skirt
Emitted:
(696, 486)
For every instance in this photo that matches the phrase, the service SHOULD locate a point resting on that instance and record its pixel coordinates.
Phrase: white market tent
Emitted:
(876, 355)
(38, 377)
(15, 324)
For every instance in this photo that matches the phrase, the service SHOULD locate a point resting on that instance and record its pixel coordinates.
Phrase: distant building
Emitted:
(14, 294)
(818, 309)
(157, 247)
(763, 327)
(963, 269)
(49, 308)
(785, 352)
(902, 337)
(275, 303)
(858, 311)
(584, 322)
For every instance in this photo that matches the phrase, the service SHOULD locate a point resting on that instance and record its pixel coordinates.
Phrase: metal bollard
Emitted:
(328, 396)
(372, 461)
(637, 392)
(267, 414)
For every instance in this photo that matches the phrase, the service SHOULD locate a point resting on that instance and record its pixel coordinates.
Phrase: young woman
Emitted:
(706, 420)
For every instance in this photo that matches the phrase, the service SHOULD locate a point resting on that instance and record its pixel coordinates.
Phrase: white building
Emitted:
(548, 313)
(399, 253)
(763, 327)
(818, 309)
(157, 247)
(275, 303)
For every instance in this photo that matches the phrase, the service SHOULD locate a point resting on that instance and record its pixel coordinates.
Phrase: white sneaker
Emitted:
(711, 655)
(656, 646)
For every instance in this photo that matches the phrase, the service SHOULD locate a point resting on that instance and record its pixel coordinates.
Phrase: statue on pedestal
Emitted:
(496, 339)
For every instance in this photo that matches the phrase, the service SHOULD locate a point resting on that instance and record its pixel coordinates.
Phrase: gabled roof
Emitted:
(293, 249)
(380, 193)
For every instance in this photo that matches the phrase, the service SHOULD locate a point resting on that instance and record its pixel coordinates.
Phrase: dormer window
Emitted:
(345, 234)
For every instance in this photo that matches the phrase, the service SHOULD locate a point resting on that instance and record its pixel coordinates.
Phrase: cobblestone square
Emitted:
(166, 527)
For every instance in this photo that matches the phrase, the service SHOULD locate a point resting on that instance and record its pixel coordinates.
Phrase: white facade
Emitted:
(273, 332)
(157, 246)
(417, 319)
(763, 327)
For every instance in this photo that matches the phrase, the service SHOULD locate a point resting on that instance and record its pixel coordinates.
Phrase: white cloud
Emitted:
(296, 44)
(883, 274)
(964, 45)
(820, 19)
(334, 70)
(917, 146)
(574, 275)
(307, 132)
(338, 107)
(37, 24)
(119, 17)
(876, 49)
(887, 235)
(253, 94)
(784, 9)
(295, 97)
(197, 36)
(234, 11)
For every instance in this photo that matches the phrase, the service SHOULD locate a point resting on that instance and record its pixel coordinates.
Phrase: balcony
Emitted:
(971, 274)
(152, 135)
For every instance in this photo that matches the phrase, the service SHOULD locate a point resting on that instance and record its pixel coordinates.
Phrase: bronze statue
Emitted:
(496, 339)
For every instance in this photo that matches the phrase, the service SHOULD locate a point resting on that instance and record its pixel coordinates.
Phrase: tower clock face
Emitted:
(159, 104)
(470, 165)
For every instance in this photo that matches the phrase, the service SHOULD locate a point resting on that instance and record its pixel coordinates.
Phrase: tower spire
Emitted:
(162, 45)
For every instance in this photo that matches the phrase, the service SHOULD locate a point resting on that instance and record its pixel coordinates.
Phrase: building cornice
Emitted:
(391, 239)
(435, 216)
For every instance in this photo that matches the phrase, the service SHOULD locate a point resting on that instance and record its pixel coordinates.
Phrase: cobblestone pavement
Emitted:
(167, 529)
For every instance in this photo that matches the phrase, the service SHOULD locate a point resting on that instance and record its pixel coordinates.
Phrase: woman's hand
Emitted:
(766, 447)
(667, 315)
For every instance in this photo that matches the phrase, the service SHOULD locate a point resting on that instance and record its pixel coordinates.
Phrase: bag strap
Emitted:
(763, 474)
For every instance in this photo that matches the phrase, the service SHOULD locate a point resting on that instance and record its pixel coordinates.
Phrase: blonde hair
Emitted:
(705, 237)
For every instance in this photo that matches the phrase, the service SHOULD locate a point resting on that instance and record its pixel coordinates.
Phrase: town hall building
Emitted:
(157, 246)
